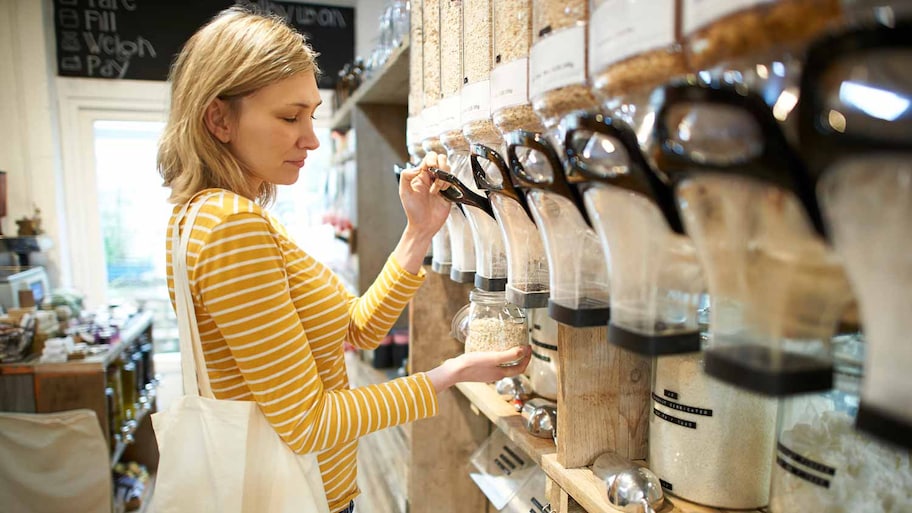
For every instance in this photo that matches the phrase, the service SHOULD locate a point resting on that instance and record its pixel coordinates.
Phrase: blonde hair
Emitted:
(235, 54)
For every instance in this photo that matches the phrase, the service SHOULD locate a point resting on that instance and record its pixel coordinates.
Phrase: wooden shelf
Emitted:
(389, 85)
(589, 491)
(507, 419)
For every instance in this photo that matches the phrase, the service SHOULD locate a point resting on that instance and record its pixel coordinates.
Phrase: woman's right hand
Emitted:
(481, 366)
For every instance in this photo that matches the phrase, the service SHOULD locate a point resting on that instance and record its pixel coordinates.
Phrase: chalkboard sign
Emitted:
(138, 39)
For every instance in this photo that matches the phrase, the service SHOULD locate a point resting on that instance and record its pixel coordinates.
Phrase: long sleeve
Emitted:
(242, 278)
(375, 312)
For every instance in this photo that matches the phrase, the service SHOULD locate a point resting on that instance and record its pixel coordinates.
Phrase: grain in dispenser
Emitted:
(510, 106)
(557, 60)
(634, 46)
(855, 128)
(656, 280)
(777, 292)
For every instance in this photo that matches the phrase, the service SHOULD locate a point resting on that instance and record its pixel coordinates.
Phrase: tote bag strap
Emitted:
(193, 365)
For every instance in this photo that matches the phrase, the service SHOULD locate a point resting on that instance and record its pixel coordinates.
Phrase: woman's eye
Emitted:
(290, 120)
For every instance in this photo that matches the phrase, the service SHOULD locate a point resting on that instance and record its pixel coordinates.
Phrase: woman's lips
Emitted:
(298, 163)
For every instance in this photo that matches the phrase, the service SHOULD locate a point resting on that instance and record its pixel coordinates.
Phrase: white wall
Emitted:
(30, 137)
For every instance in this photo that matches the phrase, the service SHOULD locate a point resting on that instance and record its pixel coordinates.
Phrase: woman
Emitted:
(272, 320)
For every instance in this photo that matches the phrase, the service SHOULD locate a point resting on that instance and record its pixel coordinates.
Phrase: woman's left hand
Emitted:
(425, 209)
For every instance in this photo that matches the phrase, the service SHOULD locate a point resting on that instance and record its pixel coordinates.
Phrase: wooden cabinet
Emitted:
(33, 387)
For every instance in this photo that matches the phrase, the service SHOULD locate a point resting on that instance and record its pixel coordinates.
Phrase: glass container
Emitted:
(451, 74)
(527, 267)
(442, 251)
(577, 268)
(656, 279)
(823, 463)
(633, 48)
(512, 38)
(430, 56)
(495, 324)
(855, 124)
(477, 126)
(557, 60)
(543, 367)
(778, 293)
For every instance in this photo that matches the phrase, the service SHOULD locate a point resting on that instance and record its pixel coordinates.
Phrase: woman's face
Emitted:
(272, 129)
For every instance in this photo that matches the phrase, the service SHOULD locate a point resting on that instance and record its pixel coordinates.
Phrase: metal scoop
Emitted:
(631, 488)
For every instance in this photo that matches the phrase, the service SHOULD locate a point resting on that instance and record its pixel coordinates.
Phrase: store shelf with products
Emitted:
(387, 86)
(502, 414)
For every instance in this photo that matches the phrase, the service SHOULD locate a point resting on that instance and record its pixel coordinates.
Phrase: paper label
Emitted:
(449, 114)
(510, 84)
(698, 13)
(476, 101)
(558, 60)
(623, 28)
(429, 120)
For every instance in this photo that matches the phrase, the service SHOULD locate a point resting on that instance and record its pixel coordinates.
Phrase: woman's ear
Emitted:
(217, 120)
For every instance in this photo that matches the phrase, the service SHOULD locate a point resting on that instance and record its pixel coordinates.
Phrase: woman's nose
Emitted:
(308, 139)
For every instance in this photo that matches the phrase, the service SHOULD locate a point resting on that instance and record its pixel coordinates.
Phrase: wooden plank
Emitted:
(17, 392)
(440, 447)
(389, 85)
(506, 418)
(603, 403)
(69, 391)
(592, 494)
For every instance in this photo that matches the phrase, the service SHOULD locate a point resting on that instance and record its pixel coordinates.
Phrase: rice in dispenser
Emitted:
(413, 133)
(777, 292)
(512, 39)
(557, 61)
(478, 128)
(633, 48)
(527, 266)
(855, 124)
(579, 279)
(823, 463)
(656, 281)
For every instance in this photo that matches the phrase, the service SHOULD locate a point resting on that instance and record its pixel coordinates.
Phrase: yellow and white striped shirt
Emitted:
(272, 321)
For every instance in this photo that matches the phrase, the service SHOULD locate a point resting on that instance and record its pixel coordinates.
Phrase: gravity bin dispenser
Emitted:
(855, 126)
(778, 293)
(579, 279)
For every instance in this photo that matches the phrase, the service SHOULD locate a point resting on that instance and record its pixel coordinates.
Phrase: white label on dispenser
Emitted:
(476, 101)
(430, 119)
(558, 60)
(698, 13)
(413, 130)
(449, 114)
(510, 84)
(622, 28)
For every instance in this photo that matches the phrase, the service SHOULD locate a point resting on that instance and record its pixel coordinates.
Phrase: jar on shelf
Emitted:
(557, 60)
(823, 463)
(130, 396)
(495, 324)
(512, 38)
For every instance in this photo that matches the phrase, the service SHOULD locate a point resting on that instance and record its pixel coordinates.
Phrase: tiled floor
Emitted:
(382, 456)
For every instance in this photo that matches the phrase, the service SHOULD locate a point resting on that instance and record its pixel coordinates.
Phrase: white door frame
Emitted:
(81, 102)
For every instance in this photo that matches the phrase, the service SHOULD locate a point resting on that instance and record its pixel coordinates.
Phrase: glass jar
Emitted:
(130, 396)
(543, 367)
(823, 463)
(495, 324)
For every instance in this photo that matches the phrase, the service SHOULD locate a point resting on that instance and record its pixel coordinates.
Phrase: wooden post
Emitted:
(603, 402)
(440, 447)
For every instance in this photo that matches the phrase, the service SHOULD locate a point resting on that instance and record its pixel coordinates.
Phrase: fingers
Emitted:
(522, 353)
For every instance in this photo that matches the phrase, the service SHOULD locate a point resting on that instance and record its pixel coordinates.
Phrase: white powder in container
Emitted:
(710, 443)
(827, 465)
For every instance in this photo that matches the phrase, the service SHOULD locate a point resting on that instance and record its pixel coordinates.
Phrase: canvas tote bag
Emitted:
(222, 456)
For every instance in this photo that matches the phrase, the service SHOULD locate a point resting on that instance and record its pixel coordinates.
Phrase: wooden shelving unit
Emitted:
(507, 419)
(388, 86)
